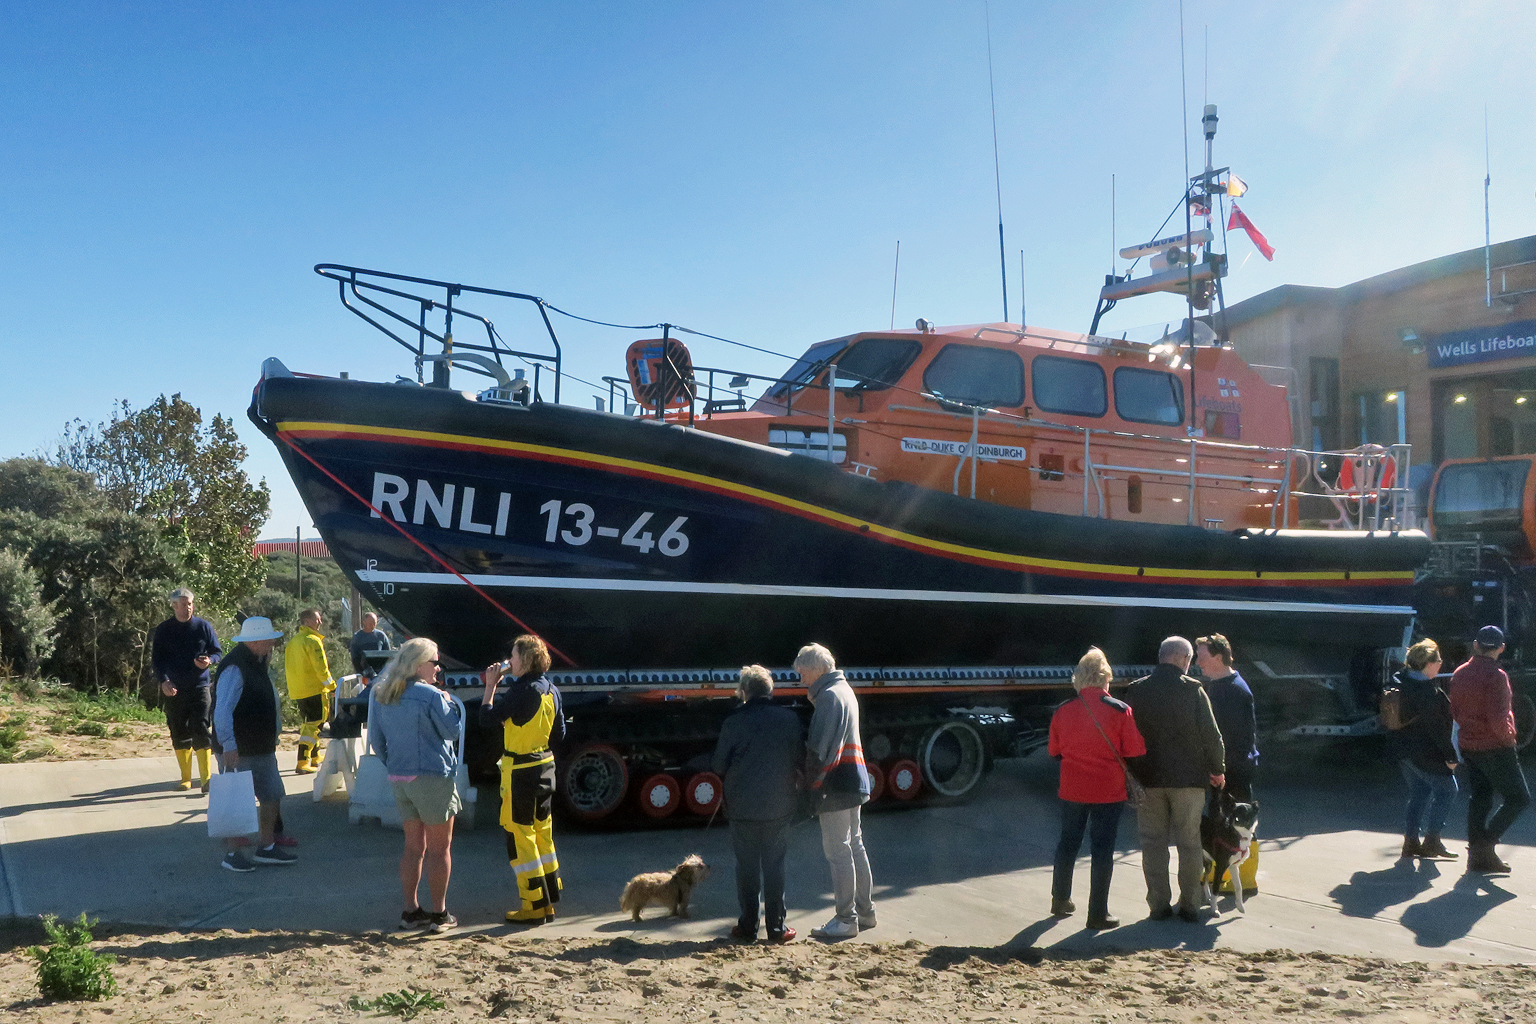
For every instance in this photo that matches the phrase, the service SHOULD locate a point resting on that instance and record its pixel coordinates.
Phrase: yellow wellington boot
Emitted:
(303, 768)
(526, 916)
(184, 759)
(203, 768)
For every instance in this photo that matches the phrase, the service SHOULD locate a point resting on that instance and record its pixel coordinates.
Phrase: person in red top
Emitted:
(1482, 707)
(1091, 735)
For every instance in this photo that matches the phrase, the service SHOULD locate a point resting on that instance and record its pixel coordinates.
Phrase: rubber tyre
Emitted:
(704, 793)
(1525, 720)
(660, 795)
(953, 757)
(904, 779)
(593, 781)
(876, 782)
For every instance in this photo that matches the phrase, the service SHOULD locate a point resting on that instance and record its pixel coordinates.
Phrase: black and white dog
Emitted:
(1226, 835)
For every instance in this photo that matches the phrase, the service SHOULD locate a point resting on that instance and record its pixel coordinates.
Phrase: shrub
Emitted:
(406, 1003)
(27, 622)
(68, 968)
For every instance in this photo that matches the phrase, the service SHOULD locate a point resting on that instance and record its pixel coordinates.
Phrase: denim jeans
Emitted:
(843, 843)
(760, 847)
(1101, 822)
(1490, 772)
(1427, 788)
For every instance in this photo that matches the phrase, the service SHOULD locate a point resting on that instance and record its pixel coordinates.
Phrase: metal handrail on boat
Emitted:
(365, 284)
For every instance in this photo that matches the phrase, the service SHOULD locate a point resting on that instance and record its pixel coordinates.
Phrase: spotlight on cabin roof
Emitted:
(924, 325)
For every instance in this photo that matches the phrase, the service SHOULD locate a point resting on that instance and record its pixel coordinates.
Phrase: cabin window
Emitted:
(1148, 396)
(1072, 386)
(976, 376)
(876, 363)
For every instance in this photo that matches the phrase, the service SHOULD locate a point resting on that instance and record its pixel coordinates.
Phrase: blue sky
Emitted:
(170, 172)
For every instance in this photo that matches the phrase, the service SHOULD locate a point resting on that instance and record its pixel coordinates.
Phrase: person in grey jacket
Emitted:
(414, 727)
(759, 753)
(1184, 755)
(840, 783)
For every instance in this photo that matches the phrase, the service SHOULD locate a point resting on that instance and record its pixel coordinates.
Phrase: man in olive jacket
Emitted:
(758, 756)
(1184, 755)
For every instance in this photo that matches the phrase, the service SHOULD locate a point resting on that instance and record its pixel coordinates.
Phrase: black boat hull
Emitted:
(631, 543)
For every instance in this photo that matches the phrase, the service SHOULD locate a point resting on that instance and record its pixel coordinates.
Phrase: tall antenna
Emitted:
(1189, 290)
(1487, 224)
(1023, 322)
(894, 275)
(997, 174)
(1113, 248)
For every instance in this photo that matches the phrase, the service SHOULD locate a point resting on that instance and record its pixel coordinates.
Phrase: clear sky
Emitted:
(171, 171)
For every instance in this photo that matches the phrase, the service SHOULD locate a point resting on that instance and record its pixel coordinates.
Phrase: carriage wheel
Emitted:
(704, 793)
(660, 795)
(954, 758)
(593, 781)
(876, 782)
(904, 779)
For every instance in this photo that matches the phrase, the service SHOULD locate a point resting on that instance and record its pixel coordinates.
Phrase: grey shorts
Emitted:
(266, 779)
(429, 799)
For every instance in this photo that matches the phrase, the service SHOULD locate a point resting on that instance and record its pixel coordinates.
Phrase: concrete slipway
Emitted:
(117, 840)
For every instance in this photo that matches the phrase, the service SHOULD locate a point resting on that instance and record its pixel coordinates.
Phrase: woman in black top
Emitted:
(1425, 752)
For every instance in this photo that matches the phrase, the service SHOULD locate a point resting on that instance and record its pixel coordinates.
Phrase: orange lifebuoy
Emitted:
(1367, 471)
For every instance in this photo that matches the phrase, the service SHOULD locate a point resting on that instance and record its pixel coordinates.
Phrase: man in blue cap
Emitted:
(1482, 705)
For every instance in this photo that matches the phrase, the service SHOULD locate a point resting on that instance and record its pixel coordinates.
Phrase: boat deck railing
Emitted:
(368, 294)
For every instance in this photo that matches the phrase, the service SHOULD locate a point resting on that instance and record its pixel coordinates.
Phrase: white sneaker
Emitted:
(836, 929)
(867, 921)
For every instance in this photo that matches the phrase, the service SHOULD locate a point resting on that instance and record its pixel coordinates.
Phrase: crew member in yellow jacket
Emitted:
(532, 723)
(310, 686)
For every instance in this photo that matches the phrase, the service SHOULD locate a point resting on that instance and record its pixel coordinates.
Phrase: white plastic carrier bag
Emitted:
(231, 805)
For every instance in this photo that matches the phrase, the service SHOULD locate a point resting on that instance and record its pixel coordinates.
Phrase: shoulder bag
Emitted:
(1135, 793)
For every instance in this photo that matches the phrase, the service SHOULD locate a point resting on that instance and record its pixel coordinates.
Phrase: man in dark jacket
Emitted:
(1232, 704)
(183, 649)
(1482, 704)
(759, 751)
(1184, 756)
(369, 638)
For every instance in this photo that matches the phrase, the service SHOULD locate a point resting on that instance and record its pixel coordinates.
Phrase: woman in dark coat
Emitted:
(1425, 752)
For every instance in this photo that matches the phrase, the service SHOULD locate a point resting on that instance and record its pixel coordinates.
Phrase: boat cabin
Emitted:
(1024, 417)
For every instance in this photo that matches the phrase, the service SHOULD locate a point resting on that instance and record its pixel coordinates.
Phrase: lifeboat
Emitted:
(986, 494)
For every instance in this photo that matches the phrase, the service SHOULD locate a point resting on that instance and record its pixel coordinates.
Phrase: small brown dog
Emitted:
(665, 888)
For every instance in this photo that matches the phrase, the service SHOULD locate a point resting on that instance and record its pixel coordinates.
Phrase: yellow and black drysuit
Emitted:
(310, 686)
(532, 723)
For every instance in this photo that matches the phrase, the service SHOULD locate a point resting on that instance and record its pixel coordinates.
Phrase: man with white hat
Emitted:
(247, 720)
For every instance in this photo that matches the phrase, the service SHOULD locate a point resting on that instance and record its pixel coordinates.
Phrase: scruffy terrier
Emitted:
(665, 888)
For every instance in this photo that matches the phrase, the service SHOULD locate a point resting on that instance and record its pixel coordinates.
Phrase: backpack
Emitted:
(1391, 716)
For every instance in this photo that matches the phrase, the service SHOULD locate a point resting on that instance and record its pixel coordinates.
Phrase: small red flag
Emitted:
(1239, 219)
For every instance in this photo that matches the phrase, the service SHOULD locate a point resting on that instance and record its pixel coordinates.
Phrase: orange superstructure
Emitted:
(1062, 422)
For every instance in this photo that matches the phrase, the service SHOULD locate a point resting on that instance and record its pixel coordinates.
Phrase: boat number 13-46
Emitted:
(581, 529)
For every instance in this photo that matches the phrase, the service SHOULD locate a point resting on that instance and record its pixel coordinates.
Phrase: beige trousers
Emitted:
(1171, 816)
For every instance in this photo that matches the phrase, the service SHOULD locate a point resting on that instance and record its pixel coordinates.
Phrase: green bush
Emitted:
(12, 732)
(27, 622)
(68, 968)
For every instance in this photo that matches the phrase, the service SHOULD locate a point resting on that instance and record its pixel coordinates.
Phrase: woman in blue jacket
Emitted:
(414, 727)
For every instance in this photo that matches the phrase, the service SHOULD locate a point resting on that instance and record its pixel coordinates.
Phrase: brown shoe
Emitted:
(1062, 908)
(1411, 848)
(1433, 847)
(1481, 858)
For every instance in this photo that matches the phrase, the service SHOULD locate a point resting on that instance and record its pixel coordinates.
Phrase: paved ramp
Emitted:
(117, 840)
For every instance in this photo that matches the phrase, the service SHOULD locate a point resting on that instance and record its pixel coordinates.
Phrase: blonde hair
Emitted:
(1421, 654)
(401, 670)
(1092, 670)
(535, 654)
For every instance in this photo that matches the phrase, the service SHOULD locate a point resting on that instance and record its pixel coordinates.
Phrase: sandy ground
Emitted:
(284, 976)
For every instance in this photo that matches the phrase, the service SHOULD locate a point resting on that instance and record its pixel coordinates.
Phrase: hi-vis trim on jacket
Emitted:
(851, 753)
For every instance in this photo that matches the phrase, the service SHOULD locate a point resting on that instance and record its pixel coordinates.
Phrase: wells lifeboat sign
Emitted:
(928, 446)
(1484, 344)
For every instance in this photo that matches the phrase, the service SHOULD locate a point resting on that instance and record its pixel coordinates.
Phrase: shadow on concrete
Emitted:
(1368, 893)
(196, 801)
(1450, 916)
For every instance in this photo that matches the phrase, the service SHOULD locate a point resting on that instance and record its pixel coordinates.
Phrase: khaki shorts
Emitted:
(429, 799)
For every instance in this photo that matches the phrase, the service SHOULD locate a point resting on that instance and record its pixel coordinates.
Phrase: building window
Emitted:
(1458, 402)
(1324, 381)
(1383, 417)
(976, 376)
(1072, 386)
(1148, 396)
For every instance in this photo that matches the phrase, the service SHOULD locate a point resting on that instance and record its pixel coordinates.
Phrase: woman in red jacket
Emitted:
(1091, 735)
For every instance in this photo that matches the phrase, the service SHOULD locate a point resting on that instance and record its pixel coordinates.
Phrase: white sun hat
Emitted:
(256, 627)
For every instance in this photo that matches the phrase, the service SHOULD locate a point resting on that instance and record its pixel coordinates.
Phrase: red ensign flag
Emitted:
(1239, 219)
